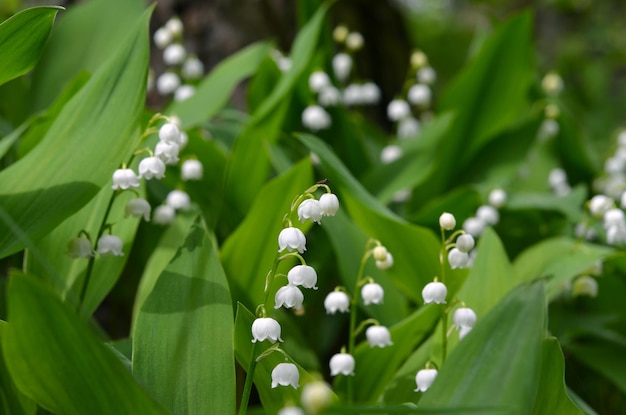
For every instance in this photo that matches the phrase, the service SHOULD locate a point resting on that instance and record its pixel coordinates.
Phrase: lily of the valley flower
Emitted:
(424, 379)
(138, 207)
(447, 221)
(315, 118)
(465, 242)
(386, 264)
(342, 363)
(372, 293)
(169, 133)
(303, 275)
(316, 396)
(265, 329)
(310, 209)
(151, 167)
(191, 170)
(464, 317)
(285, 374)
(337, 301)
(497, 198)
(164, 215)
(329, 204)
(289, 296)
(434, 292)
(178, 199)
(291, 410)
(378, 336)
(291, 238)
(79, 248)
(167, 152)
(124, 179)
(110, 245)
(457, 258)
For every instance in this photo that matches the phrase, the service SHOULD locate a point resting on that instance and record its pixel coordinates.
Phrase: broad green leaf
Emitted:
(12, 401)
(607, 358)
(552, 396)
(569, 205)
(95, 128)
(74, 373)
(103, 26)
(249, 165)
(215, 90)
(250, 251)
(183, 337)
(499, 362)
(22, 38)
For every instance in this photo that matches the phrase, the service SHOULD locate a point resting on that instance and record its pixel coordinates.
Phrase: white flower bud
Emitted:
(191, 170)
(175, 26)
(549, 128)
(291, 410)
(378, 336)
(340, 34)
(380, 253)
(552, 83)
(427, 75)
(291, 238)
(178, 199)
(329, 96)
(110, 245)
(497, 198)
(464, 317)
(342, 363)
(184, 92)
(557, 177)
(164, 215)
(174, 54)
(599, 204)
(447, 221)
(167, 152)
(616, 235)
(289, 296)
(408, 127)
(329, 204)
(316, 118)
(488, 214)
(167, 83)
(169, 133)
(424, 379)
(390, 154)
(457, 258)
(434, 292)
(319, 80)
(342, 65)
(138, 207)
(386, 264)
(337, 301)
(465, 242)
(316, 396)
(418, 59)
(310, 209)
(266, 329)
(162, 37)
(474, 226)
(420, 95)
(79, 247)
(285, 374)
(354, 41)
(372, 293)
(124, 179)
(303, 275)
(193, 68)
(585, 286)
(370, 93)
(398, 109)
(614, 217)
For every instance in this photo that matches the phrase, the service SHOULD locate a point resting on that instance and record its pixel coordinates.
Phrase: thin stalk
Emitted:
(444, 314)
(247, 387)
(353, 310)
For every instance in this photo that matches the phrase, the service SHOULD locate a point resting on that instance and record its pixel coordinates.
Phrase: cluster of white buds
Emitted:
(183, 68)
(557, 179)
(314, 210)
(552, 85)
(613, 180)
(459, 252)
(486, 215)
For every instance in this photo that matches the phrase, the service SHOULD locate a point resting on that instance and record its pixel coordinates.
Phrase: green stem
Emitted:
(444, 333)
(247, 387)
(353, 310)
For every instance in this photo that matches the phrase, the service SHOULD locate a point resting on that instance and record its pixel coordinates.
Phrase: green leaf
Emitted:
(552, 397)
(183, 350)
(22, 38)
(607, 358)
(569, 205)
(74, 373)
(250, 251)
(498, 363)
(95, 128)
(12, 401)
(215, 90)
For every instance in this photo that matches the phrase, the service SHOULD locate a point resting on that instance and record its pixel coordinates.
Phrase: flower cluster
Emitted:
(486, 215)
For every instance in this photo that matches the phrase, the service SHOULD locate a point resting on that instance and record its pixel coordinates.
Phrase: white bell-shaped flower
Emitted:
(315, 118)
(178, 199)
(616, 234)
(193, 68)
(419, 95)
(342, 363)
(408, 127)
(316, 396)
(599, 204)
(457, 258)
(285, 374)
(138, 207)
(291, 238)
(319, 80)
(398, 109)
(434, 292)
(79, 247)
(427, 75)
(488, 214)
(265, 329)
(291, 410)
(464, 317)
(337, 301)
(372, 293)
(370, 93)
(447, 221)
(289, 296)
(167, 83)
(303, 275)
(497, 198)
(151, 167)
(613, 217)
(387, 263)
(424, 379)
(329, 96)
(169, 133)
(390, 153)
(191, 170)
(585, 286)
(167, 152)
(175, 26)
(310, 209)
(329, 204)
(162, 37)
(474, 226)
(174, 54)
(378, 336)
(110, 245)
(465, 242)
(124, 179)
(164, 215)
(342, 65)
(184, 92)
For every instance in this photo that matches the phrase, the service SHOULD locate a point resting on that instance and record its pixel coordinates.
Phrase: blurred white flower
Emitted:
(110, 245)
(167, 83)
(164, 215)
(138, 207)
(174, 54)
(178, 199)
(191, 170)
(315, 118)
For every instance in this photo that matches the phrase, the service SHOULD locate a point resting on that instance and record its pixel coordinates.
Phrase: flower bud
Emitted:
(318, 81)
(167, 83)
(398, 109)
(390, 154)
(191, 170)
(337, 301)
(434, 292)
(378, 336)
(184, 92)
(372, 293)
(488, 214)
(599, 204)
(265, 329)
(178, 199)
(174, 54)
(340, 34)
(162, 37)
(465, 242)
(380, 253)
(447, 221)
(354, 41)
(497, 198)
(79, 248)
(464, 317)
(427, 75)
(420, 95)
(342, 65)
(386, 264)
(285, 374)
(163, 215)
(316, 118)
(474, 226)
(193, 68)
(424, 379)
(342, 363)
(316, 396)
(457, 258)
